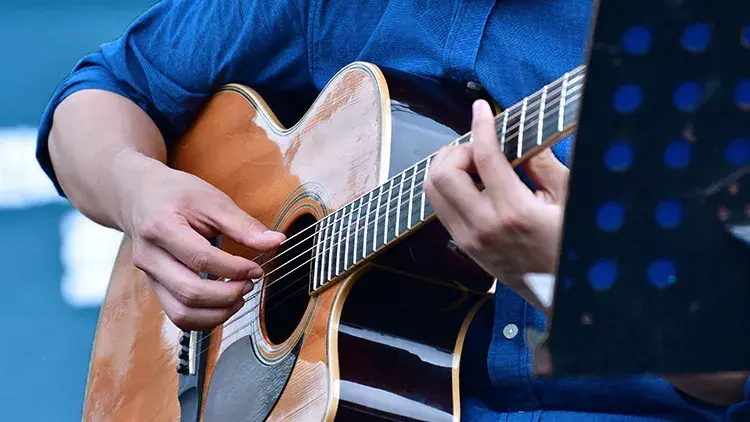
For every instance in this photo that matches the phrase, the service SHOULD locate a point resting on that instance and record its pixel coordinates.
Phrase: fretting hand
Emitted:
(507, 228)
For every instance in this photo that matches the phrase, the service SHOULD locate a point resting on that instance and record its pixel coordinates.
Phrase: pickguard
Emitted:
(242, 387)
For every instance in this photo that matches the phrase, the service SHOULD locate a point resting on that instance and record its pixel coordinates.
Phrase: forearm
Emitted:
(99, 144)
(721, 389)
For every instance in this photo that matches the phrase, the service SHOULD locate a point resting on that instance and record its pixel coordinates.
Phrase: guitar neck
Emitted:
(364, 227)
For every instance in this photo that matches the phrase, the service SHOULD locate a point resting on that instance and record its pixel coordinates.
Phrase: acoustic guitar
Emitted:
(365, 310)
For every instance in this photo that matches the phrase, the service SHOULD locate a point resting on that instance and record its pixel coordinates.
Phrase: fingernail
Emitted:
(256, 272)
(480, 108)
(276, 234)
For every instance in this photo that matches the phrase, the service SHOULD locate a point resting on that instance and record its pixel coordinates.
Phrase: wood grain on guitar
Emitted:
(314, 353)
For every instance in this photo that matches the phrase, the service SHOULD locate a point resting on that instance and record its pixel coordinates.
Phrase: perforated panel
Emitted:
(650, 279)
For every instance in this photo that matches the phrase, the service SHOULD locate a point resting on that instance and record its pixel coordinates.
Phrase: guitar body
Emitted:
(383, 343)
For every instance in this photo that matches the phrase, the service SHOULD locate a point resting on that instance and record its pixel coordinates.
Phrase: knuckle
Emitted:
(152, 229)
(515, 221)
(200, 261)
(180, 317)
(140, 258)
(189, 297)
(439, 178)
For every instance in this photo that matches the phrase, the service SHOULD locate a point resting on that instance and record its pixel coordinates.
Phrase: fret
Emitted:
(424, 178)
(521, 125)
(350, 212)
(560, 121)
(339, 240)
(323, 251)
(398, 203)
(540, 123)
(367, 223)
(356, 228)
(332, 247)
(411, 194)
(316, 265)
(387, 212)
(415, 209)
(377, 217)
(505, 128)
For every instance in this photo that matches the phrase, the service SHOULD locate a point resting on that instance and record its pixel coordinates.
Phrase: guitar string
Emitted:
(254, 294)
(571, 78)
(394, 187)
(325, 249)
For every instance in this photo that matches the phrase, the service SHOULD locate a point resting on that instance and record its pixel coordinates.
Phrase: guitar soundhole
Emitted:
(286, 293)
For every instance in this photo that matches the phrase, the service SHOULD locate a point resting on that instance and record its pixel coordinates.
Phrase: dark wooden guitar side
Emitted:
(365, 309)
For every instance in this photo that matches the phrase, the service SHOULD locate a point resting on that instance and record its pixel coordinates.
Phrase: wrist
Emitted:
(131, 172)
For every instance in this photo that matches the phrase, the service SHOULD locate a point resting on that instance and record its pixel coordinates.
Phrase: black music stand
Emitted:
(654, 272)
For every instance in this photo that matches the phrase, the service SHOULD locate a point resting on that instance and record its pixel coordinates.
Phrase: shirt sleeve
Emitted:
(177, 53)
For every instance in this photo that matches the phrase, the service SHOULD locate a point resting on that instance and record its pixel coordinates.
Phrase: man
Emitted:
(105, 133)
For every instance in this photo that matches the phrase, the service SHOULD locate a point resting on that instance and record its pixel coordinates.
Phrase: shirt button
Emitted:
(510, 331)
(474, 86)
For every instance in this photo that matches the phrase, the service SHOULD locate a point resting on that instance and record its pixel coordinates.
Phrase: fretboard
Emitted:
(365, 226)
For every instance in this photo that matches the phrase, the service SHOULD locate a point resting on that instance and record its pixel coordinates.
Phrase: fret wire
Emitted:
(523, 120)
(339, 242)
(367, 223)
(348, 234)
(316, 266)
(387, 212)
(356, 228)
(330, 250)
(398, 207)
(411, 196)
(505, 128)
(424, 179)
(541, 116)
(377, 217)
(562, 102)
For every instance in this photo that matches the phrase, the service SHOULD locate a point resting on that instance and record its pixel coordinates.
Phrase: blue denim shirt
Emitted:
(175, 55)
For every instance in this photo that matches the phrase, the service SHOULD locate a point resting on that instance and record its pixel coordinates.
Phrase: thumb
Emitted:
(549, 174)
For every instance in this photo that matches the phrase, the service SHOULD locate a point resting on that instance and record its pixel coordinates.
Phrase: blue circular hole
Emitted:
(619, 157)
(662, 273)
(669, 214)
(742, 94)
(603, 274)
(687, 96)
(746, 37)
(737, 152)
(637, 40)
(628, 98)
(610, 216)
(695, 38)
(678, 154)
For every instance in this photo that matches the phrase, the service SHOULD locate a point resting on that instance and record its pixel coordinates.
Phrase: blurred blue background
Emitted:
(56, 263)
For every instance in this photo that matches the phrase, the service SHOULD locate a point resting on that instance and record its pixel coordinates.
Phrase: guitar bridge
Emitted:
(188, 354)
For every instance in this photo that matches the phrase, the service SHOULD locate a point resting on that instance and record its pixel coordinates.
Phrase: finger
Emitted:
(195, 251)
(548, 173)
(226, 216)
(499, 179)
(186, 286)
(451, 179)
(454, 223)
(187, 318)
